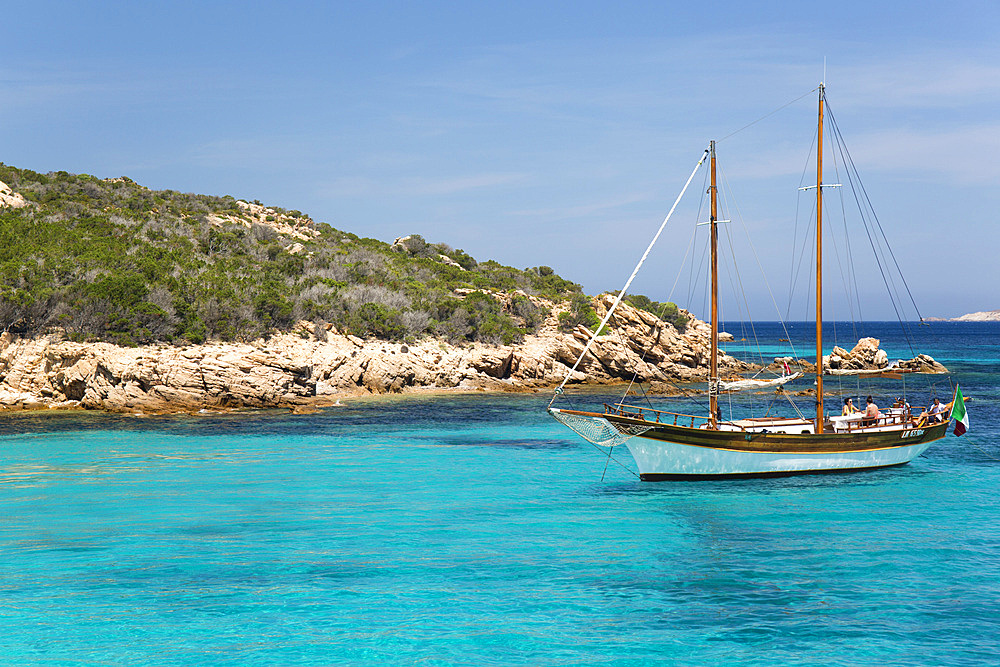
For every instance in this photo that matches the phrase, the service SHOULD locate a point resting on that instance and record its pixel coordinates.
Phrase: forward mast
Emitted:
(819, 266)
(713, 367)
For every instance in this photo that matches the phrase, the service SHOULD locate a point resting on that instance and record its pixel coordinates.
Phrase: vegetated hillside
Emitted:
(108, 259)
(111, 260)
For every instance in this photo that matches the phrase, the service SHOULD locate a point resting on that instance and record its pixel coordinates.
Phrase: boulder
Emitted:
(923, 363)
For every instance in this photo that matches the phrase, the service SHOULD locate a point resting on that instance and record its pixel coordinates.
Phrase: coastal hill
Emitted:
(116, 296)
(982, 316)
(122, 298)
(108, 260)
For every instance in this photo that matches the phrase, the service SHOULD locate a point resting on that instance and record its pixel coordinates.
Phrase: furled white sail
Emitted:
(743, 385)
(894, 366)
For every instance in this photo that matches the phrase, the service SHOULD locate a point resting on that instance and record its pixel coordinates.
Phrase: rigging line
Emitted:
(663, 306)
(730, 401)
(659, 330)
(803, 253)
(730, 271)
(645, 352)
(788, 397)
(673, 288)
(635, 373)
(874, 224)
(864, 215)
(743, 314)
(739, 309)
(729, 274)
(867, 215)
(810, 302)
(989, 457)
(830, 229)
(753, 328)
(703, 254)
(768, 115)
(875, 216)
(642, 357)
(680, 271)
(613, 459)
(807, 233)
(617, 329)
(767, 285)
(704, 292)
(845, 278)
(854, 294)
(690, 252)
(795, 228)
(628, 282)
(727, 190)
(605, 471)
(872, 240)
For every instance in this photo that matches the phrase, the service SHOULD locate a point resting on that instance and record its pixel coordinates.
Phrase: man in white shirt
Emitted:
(935, 413)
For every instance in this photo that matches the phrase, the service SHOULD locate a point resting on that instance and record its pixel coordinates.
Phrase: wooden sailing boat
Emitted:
(669, 445)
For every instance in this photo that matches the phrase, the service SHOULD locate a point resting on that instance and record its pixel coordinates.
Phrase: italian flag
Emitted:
(958, 413)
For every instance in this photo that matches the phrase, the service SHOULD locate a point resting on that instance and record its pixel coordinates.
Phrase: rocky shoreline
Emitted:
(310, 368)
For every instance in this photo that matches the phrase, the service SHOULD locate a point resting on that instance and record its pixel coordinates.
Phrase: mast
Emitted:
(819, 265)
(713, 373)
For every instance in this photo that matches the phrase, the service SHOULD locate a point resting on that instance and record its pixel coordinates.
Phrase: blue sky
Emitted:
(533, 133)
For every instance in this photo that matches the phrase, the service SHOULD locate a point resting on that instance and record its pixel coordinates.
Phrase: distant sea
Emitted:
(474, 529)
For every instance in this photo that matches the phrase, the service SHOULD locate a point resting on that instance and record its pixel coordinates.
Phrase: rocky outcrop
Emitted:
(308, 367)
(9, 198)
(866, 356)
(922, 363)
(982, 316)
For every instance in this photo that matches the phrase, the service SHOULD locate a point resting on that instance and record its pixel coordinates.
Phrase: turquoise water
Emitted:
(476, 530)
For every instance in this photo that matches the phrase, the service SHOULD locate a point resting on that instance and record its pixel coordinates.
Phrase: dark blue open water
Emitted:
(476, 530)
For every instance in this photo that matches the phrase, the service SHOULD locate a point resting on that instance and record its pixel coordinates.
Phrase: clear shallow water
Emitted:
(476, 530)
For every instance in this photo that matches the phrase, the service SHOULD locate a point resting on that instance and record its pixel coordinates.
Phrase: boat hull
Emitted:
(663, 460)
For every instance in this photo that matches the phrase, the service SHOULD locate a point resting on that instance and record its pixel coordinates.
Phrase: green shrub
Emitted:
(666, 311)
(580, 312)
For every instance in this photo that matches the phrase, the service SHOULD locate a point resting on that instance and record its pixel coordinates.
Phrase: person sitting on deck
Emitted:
(935, 413)
(871, 412)
(849, 408)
